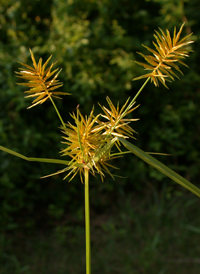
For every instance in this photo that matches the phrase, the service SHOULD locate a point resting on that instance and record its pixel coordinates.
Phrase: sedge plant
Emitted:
(88, 141)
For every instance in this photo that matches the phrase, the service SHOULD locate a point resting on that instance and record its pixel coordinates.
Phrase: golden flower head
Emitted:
(167, 54)
(42, 80)
(116, 124)
(89, 141)
(84, 142)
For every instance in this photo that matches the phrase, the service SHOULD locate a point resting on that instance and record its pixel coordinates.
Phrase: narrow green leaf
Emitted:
(161, 167)
(44, 160)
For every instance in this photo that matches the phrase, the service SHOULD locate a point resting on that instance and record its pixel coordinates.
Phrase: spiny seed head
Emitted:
(83, 140)
(116, 124)
(88, 140)
(42, 81)
(167, 54)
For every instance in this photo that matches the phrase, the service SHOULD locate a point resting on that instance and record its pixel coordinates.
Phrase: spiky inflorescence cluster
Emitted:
(168, 53)
(89, 140)
(84, 140)
(42, 80)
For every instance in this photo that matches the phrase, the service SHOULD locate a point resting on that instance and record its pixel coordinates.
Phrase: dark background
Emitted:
(95, 44)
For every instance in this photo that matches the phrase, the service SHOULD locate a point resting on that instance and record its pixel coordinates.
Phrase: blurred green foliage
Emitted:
(95, 43)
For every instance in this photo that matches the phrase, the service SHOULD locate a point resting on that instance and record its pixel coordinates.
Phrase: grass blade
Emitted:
(161, 167)
(44, 160)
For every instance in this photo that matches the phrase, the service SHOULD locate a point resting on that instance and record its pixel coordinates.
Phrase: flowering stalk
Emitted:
(57, 111)
(87, 223)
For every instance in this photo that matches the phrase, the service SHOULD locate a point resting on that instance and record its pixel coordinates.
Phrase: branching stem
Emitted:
(139, 91)
(57, 112)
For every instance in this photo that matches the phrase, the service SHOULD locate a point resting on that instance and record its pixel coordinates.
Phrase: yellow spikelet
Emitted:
(166, 56)
(42, 80)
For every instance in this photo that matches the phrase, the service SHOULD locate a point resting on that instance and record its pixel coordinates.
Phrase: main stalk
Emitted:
(87, 223)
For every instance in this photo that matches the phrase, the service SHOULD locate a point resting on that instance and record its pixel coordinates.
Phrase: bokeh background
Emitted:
(142, 222)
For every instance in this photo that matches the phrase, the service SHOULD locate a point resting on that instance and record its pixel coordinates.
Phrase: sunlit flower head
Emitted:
(164, 62)
(87, 147)
(116, 124)
(88, 140)
(42, 81)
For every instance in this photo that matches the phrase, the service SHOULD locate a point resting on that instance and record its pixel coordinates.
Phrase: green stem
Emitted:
(87, 223)
(139, 91)
(57, 112)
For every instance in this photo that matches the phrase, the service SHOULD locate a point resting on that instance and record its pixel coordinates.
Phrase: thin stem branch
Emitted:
(139, 91)
(87, 223)
(57, 112)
